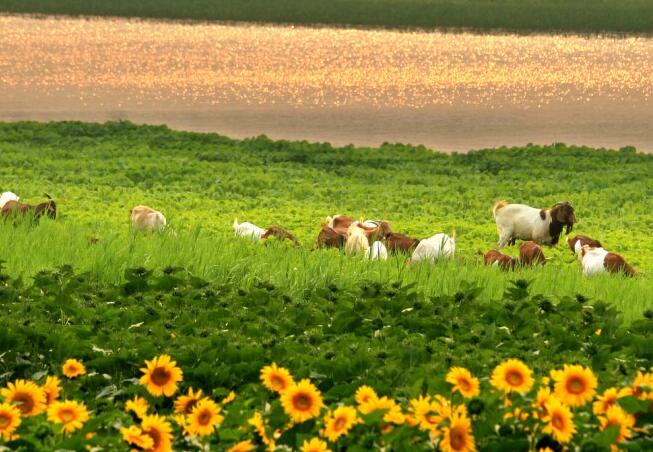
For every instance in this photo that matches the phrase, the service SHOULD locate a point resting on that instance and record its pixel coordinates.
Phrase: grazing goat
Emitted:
(434, 248)
(598, 260)
(145, 218)
(400, 243)
(377, 251)
(16, 209)
(576, 243)
(531, 253)
(275, 231)
(518, 221)
(339, 223)
(248, 230)
(328, 238)
(377, 230)
(497, 259)
(8, 196)
(357, 241)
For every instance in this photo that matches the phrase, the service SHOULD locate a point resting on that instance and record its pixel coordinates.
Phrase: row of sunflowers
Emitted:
(517, 411)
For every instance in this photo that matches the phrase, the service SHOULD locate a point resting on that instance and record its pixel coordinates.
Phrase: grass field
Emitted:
(587, 16)
(224, 307)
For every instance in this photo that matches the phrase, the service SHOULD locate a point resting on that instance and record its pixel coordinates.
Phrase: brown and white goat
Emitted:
(400, 243)
(17, 209)
(339, 223)
(328, 238)
(577, 242)
(531, 253)
(145, 218)
(498, 259)
(544, 226)
(281, 234)
(598, 260)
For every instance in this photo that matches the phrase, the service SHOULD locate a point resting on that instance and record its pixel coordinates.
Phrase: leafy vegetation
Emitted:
(85, 286)
(514, 15)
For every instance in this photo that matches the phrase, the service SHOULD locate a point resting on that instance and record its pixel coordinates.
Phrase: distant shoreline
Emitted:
(540, 16)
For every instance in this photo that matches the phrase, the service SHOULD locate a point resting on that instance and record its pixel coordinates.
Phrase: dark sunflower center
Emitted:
(25, 402)
(464, 384)
(160, 376)
(4, 420)
(457, 438)
(558, 422)
(575, 386)
(190, 405)
(340, 423)
(66, 415)
(431, 418)
(302, 401)
(155, 435)
(514, 378)
(278, 382)
(204, 418)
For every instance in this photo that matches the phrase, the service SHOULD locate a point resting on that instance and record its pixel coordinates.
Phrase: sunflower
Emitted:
(425, 413)
(138, 406)
(52, 388)
(609, 398)
(457, 436)
(134, 435)
(243, 446)
(257, 422)
(204, 418)
(463, 382)
(159, 430)
(230, 398)
(339, 422)
(26, 395)
(393, 414)
(275, 378)
(615, 415)
(559, 421)
(574, 385)
(543, 397)
(185, 403)
(161, 376)
(512, 375)
(642, 386)
(70, 413)
(73, 368)
(365, 394)
(301, 401)
(9, 420)
(315, 445)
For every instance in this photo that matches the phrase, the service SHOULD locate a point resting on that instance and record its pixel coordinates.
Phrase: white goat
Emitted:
(377, 251)
(6, 197)
(437, 247)
(248, 230)
(357, 241)
(544, 226)
(144, 218)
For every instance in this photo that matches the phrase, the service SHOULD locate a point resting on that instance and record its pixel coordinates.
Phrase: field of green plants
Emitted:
(585, 16)
(85, 286)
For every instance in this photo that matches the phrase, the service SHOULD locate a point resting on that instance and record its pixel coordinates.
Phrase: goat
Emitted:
(544, 226)
(17, 209)
(328, 238)
(8, 196)
(434, 248)
(339, 223)
(145, 218)
(377, 251)
(531, 253)
(248, 230)
(576, 243)
(400, 243)
(497, 259)
(275, 231)
(599, 260)
(357, 240)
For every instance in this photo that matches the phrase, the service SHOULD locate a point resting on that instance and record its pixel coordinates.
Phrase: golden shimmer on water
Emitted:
(256, 64)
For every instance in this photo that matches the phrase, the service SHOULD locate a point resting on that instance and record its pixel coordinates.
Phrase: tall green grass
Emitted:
(202, 181)
(533, 15)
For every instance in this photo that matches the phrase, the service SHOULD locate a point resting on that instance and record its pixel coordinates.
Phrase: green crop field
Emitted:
(586, 16)
(85, 286)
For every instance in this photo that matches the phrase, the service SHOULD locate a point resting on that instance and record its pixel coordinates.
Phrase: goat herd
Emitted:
(375, 239)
